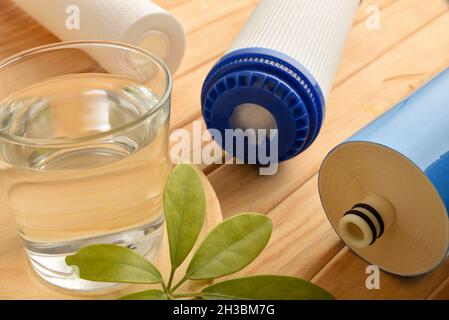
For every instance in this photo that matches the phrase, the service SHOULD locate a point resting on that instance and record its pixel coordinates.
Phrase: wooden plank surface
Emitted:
(378, 68)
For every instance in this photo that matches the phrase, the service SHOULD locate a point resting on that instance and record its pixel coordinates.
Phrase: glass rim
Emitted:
(16, 58)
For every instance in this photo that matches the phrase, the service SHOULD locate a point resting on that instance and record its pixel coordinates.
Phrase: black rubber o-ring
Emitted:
(375, 214)
(367, 220)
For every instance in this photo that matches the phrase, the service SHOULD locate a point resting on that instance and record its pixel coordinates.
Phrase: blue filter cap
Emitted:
(263, 89)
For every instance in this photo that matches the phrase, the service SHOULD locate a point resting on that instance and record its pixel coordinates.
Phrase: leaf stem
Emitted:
(164, 287)
(179, 284)
(170, 280)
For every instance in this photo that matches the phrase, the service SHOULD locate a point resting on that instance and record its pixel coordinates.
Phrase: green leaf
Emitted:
(185, 208)
(230, 246)
(112, 263)
(145, 295)
(265, 288)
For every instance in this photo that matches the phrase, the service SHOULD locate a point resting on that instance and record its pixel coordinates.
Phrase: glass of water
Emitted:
(84, 151)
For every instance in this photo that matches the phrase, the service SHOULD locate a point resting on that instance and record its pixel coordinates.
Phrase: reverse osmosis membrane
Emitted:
(386, 189)
(278, 72)
(138, 22)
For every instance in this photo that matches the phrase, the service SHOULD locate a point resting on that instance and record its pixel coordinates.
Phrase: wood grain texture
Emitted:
(209, 43)
(301, 233)
(196, 14)
(398, 21)
(345, 277)
(367, 7)
(18, 31)
(379, 68)
(440, 293)
(170, 4)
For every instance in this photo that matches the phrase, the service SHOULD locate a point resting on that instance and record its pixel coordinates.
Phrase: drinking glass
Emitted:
(84, 151)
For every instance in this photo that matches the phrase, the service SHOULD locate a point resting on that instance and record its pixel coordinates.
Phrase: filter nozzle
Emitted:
(366, 222)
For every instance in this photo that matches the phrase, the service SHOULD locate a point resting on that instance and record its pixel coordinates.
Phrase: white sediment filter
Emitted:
(137, 22)
(310, 32)
(284, 60)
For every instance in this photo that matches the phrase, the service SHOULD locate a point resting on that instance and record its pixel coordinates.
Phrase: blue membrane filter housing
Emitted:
(386, 189)
(278, 73)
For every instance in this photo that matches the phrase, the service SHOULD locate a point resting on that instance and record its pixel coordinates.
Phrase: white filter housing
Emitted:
(312, 32)
(283, 60)
(137, 22)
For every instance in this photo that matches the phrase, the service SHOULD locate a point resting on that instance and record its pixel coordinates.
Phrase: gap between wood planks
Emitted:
(362, 14)
(170, 4)
(208, 12)
(391, 47)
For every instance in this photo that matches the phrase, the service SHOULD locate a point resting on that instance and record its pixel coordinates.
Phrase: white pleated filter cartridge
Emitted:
(137, 22)
(279, 70)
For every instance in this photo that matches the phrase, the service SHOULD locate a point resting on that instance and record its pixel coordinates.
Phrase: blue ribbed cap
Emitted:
(269, 79)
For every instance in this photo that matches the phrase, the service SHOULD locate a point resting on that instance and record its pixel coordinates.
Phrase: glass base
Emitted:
(48, 260)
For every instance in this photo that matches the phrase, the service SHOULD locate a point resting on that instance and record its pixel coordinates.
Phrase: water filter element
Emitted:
(278, 72)
(386, 189)
(138, 22)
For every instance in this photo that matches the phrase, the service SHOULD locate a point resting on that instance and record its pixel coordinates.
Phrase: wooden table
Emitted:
(379, 68)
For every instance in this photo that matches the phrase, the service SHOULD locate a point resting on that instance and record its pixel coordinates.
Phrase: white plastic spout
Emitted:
(367, 221)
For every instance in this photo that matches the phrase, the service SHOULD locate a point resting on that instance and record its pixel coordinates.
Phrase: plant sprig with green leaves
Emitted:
(228, 248)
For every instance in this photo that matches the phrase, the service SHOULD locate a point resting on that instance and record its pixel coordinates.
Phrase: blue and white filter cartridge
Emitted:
(386, 189)
(278, 73)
